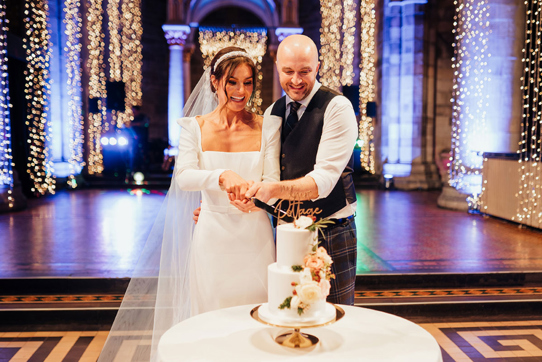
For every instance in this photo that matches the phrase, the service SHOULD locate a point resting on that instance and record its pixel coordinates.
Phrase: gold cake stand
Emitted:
(294, 338)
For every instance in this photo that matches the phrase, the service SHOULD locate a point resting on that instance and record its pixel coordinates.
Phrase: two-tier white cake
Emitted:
(293, 245)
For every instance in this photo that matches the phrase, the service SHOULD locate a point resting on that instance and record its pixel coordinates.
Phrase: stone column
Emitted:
(176, 35)
(406, 138)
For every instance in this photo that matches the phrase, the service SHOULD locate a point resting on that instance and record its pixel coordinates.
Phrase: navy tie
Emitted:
(291, 121)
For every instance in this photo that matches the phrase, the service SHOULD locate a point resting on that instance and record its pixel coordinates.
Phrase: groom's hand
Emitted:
(196, 215)
(262, 191)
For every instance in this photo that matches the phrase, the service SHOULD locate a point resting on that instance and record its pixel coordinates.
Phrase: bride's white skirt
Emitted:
(229, 258)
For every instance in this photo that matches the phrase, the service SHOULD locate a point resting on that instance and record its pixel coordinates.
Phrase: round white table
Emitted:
(361, 335)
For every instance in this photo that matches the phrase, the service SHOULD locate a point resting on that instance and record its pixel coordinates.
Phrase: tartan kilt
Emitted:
(341, 244)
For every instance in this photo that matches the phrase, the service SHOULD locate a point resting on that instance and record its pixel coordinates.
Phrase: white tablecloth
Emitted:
(361, 335)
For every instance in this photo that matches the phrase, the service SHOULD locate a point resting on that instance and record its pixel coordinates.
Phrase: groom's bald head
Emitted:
(297, 45)
(297, 64)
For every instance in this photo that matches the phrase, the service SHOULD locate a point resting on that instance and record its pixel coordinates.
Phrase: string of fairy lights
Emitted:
(125, 53)
(125, 62)
(6, 158)
(132, 58)
(529, 208)
(347, 50)
(37, 46)
(254, 40)
(73, 22)
(330, 43)
(337, 38)
(367, 89)
(469, 95)
(96, 85)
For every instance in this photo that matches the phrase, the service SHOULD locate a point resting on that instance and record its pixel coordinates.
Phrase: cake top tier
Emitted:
(293, 245)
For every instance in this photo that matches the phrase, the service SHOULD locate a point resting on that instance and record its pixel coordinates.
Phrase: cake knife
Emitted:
(276, 212)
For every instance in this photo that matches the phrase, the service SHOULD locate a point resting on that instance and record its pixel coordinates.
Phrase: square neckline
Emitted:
(201, 146)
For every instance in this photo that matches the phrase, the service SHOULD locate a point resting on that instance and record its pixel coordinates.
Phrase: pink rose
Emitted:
(325, 286)
(312, 261)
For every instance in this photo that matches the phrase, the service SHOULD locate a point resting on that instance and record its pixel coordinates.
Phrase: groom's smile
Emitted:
(297, 65)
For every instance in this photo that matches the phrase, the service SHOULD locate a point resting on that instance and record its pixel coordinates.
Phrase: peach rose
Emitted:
(309, 293)
(313, 261)
(325, 286)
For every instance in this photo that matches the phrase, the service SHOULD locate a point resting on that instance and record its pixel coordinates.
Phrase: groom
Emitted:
(319, 131)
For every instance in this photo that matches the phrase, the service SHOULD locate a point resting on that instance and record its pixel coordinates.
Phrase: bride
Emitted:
(187, 269)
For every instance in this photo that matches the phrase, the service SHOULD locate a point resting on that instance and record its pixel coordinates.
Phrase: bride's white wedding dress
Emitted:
(230, 250)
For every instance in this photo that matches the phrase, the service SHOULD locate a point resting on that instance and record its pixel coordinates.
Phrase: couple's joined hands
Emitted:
(237, 187)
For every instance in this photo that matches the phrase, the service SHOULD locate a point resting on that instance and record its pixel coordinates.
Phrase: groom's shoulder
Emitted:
(278, 108)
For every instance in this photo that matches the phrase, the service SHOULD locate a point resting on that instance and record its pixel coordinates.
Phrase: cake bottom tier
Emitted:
(279, 288)
(327, 314)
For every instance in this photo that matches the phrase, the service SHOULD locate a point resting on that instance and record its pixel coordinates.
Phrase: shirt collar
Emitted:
(305, 101)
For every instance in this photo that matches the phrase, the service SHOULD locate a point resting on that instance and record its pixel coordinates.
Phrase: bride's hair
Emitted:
(226, 67)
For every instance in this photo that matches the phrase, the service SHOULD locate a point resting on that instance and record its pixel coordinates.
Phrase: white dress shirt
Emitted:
(339, 135)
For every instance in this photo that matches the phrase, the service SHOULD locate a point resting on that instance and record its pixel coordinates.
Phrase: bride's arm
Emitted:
(188, 175)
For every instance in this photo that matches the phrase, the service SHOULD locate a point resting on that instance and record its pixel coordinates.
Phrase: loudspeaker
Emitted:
(115, 96)
(352, 93)
(93, 105)
(371, 109)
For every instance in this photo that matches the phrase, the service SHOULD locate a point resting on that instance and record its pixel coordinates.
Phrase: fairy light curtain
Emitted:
(96, 85)
(367, 89)
(6, 159)
(253, 40)
(529, 209)
(73, 22)
(470, 95)
(125, 61)
(125, 53)
(37, 46)
(337, 35)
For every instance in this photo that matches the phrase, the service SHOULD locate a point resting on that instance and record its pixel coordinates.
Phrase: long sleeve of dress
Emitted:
(187, 172)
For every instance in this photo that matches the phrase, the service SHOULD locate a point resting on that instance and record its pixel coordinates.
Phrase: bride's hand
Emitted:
(245, 206)
(233, 184)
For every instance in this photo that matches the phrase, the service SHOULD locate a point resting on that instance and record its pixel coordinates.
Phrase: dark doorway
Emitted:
(231, 15)
(19, 129)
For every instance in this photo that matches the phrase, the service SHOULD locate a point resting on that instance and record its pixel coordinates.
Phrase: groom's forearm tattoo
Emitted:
(294, 194)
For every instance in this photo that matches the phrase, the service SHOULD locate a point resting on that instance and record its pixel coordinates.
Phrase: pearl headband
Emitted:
(230, 55)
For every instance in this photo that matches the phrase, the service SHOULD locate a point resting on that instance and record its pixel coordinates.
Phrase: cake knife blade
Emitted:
(278, 213)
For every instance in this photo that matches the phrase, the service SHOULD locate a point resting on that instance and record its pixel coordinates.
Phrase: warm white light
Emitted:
(139, 178)
(112, 141)
(123, 141)
(105, 141)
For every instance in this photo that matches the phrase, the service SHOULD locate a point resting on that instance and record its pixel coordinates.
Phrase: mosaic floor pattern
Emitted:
(510, 341)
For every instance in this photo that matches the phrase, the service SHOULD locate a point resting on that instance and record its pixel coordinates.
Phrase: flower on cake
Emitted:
(303, 222)
(309, 292)
(314, 262)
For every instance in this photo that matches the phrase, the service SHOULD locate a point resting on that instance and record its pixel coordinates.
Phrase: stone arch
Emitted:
(265, 10)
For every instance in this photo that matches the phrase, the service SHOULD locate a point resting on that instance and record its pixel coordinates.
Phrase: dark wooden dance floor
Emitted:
(100, 233)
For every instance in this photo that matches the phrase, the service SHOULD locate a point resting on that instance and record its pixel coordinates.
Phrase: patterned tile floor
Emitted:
(519, 341)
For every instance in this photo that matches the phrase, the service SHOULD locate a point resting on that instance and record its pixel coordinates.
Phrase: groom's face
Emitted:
(297, 73)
